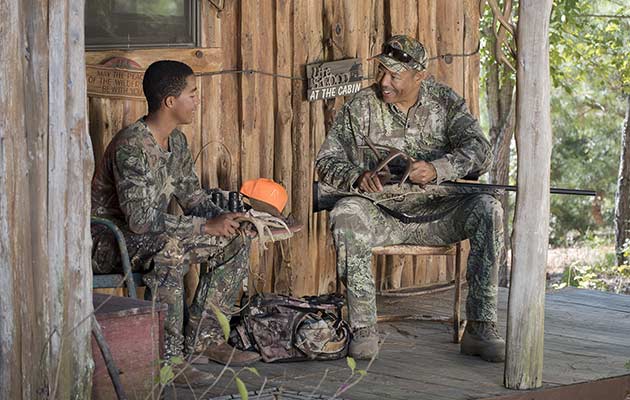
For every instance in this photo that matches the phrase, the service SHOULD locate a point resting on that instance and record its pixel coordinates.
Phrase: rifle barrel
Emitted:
(511, 188)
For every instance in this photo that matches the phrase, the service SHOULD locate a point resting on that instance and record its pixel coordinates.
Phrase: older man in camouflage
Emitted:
(145, 166)
(408, 110)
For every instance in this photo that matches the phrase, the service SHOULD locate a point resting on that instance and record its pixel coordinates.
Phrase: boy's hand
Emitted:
(222, 225)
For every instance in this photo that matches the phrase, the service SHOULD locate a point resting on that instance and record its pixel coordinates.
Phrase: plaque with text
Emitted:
(333, 79)
(105, 81)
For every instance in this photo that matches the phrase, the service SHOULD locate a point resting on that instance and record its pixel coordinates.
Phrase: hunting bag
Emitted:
(284, 328)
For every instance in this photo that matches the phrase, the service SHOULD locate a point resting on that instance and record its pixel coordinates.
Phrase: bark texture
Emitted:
(46, 165)
(524, 353)
(622, 199)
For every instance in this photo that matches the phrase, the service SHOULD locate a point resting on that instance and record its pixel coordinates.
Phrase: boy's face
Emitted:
(184, 105)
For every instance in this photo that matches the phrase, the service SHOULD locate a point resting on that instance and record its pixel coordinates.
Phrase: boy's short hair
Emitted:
(162, 79)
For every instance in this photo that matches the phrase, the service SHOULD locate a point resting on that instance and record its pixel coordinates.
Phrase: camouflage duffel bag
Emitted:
(284, 328)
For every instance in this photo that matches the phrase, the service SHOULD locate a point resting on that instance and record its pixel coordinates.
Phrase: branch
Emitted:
(502, 19)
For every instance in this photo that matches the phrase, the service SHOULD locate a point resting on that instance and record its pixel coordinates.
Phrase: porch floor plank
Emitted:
(587, 337)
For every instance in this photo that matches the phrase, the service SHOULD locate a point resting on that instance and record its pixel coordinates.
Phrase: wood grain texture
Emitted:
(530, 237)
(256, 125)
(200, 60)
(46, 165)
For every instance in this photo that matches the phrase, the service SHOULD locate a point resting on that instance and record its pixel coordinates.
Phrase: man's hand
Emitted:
(222, 225)
(422, 172)
(369, 182)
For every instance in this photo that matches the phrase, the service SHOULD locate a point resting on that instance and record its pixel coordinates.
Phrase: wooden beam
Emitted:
(524, 361)
(200, 60)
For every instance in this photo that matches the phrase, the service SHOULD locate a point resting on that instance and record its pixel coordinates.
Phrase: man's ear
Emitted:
(420, 75)
(169, 101)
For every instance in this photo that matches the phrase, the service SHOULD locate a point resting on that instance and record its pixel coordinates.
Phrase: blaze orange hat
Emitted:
(265, 195)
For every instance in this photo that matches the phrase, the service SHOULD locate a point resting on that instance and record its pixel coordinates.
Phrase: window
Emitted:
(140, 23)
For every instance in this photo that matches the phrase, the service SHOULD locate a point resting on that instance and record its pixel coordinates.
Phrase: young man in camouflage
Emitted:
(145, 166)
(408, 110)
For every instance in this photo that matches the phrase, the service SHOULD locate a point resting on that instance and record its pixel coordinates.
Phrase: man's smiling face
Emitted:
(398, 87)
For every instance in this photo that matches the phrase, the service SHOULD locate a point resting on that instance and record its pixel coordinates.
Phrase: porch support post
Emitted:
(524, 358)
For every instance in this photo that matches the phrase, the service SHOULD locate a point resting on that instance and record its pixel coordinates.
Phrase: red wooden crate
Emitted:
(134, 331)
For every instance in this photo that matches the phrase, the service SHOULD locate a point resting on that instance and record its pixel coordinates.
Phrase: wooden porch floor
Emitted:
(587, 337)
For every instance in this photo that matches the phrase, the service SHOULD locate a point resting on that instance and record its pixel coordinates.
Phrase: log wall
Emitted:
(256, 125)
(45, 169)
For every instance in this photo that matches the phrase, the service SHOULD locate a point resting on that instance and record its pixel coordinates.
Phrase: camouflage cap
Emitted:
(401, 53)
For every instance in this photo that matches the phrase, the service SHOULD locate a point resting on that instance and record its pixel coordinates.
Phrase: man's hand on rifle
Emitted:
(422, 172)
(223, 225)
(369, 182)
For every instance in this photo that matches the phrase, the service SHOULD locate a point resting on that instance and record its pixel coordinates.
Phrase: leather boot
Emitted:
(221, 352)
(364, 343)
(481, 338)
(187, 375)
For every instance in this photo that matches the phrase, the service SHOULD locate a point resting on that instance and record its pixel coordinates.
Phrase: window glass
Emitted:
(140, 23)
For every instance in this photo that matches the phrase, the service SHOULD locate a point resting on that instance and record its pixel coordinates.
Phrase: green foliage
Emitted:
(591, 74)
(351, 363)
(167, 374)
(223, 321)
(601, 275)
(242, 390)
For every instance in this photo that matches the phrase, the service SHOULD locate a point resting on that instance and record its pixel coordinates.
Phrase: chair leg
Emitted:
(457, 325)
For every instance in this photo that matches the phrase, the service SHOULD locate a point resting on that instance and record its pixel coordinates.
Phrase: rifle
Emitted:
(325, 197)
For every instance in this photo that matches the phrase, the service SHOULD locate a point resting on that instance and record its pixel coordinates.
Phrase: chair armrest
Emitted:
(124, 253)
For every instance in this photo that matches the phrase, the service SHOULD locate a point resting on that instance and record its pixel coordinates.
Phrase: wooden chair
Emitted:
(415, 250)
(113, 281)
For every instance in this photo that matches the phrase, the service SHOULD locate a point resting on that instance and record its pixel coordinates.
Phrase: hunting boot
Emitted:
(364, 343)
(187, 375)
(221, 353)
(482, 339)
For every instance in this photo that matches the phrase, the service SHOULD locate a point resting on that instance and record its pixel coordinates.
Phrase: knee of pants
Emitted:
(172, 253)
(350, 214)
(487, 208)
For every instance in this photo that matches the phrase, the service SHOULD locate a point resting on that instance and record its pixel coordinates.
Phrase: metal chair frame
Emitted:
(112, 281)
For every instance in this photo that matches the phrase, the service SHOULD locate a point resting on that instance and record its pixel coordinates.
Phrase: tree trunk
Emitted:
(45, 170)
(500, 105)
(622, 199)
(524, 358)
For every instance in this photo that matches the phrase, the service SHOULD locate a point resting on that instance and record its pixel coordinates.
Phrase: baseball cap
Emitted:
(401, 53)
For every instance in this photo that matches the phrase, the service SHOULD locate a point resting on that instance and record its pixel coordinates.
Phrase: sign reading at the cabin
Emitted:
(333, 79)
(123, 83)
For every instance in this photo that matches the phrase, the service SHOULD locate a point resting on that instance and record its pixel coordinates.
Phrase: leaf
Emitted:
(166, 374)
(351, 363)
(242, 390)
(223, 321)
(362, 372)
(253, 370)
(627, 365)
(177, 360)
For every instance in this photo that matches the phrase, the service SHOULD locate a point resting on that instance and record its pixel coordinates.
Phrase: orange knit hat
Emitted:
(267, 192)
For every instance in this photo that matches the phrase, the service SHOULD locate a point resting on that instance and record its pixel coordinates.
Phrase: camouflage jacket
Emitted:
(438, 129)
(137, 179)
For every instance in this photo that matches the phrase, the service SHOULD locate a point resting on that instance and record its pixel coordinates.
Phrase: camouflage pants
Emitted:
(358, 225)
(219, 286)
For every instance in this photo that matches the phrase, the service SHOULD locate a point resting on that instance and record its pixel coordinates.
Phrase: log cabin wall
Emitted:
(257, 125)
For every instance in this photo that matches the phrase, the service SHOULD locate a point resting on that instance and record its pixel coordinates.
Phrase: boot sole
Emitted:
(493, 359)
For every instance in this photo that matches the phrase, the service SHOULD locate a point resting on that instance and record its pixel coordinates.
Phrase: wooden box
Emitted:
(134, 332)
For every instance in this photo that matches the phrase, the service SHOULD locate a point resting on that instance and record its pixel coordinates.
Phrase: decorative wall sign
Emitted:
(333, 79)
(110, 81)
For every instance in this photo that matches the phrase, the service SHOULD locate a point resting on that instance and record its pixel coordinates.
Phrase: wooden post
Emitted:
(524, 361)
(46, 165)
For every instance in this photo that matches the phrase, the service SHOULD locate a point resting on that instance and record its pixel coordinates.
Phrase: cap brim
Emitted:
(390, 63)
(264, 207)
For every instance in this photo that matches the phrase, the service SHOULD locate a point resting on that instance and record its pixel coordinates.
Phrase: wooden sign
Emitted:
(122, 83)
(333, 79)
